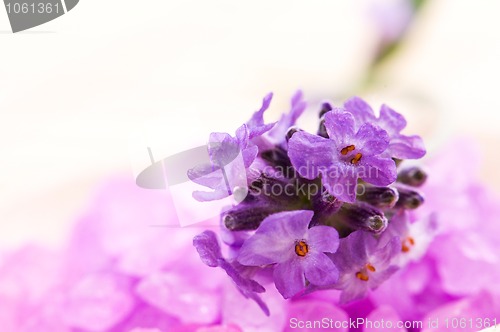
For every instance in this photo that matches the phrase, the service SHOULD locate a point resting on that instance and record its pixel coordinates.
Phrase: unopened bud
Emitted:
(409, 198)
(362, 216)
(381, 197)
(246, 216)
(277, 157)
(322, 129)
(290, 132)
(413, 176)
(325, 108)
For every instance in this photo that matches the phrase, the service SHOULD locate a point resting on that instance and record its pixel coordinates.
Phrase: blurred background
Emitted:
(82, 97)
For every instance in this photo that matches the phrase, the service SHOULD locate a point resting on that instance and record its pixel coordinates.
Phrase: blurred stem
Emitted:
(389, 51)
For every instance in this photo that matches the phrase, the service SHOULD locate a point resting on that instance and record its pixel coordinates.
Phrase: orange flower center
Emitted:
(357, 157)
(364, 273)
(301, 248)
(407, 244)
(347, 149)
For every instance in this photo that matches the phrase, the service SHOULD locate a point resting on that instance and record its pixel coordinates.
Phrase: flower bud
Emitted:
(413, 176)
(325, 108)
(290, 132)
(362, 216)
(409, 198)
(322, 129)
(246, 216)
(278, 157)
(381, 197)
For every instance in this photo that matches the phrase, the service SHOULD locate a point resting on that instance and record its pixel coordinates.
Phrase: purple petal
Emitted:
(376, 279)
(320, 270)
(205, 196)
(256, 124)
(245, 285)
(351, 251)
(258, 131)
(407, 147)
(257, 118)
(249, 154)
(377, 171)
(242, 135)
(340, 127)
(361, 111)
(257, 299)
(288, 120)
(298, 106)
(391, 120)
(341, 182)
(372, 140)
(289, 278)
(275, 238)
(208, 248)
(222, 148)
(309, 153)
(323, 239)
(205, 174)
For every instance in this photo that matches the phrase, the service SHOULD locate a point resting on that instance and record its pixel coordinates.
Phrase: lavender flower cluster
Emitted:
(329, 210)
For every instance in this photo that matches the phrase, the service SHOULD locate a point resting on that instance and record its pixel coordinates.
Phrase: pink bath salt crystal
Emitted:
(177, 295)
(468, 315)
(98, 302)
(382, 319)
(220, 328)
(247, 314)
(314, 315)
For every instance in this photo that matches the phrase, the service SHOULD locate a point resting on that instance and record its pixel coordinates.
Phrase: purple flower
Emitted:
(343, 157)
(415, 237)
(287, 120)
(363, 264)
(400, 146)
(256, 123)
(284, 239)
(231, 158)
(210, 253)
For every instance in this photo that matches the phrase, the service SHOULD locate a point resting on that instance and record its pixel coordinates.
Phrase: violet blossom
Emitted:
(297, 251)
(348, 154)
(400, 146)
(363, 264)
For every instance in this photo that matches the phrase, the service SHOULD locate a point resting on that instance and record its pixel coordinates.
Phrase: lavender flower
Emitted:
(415, 237)
(284, 239)
(256, 123)
(278, 133)
(209, 250)
(347, 155)
(224, 150)
(400, 146)
(363, 264)
(297, 231)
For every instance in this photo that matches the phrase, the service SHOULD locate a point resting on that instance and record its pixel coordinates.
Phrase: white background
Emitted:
(81, 97)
